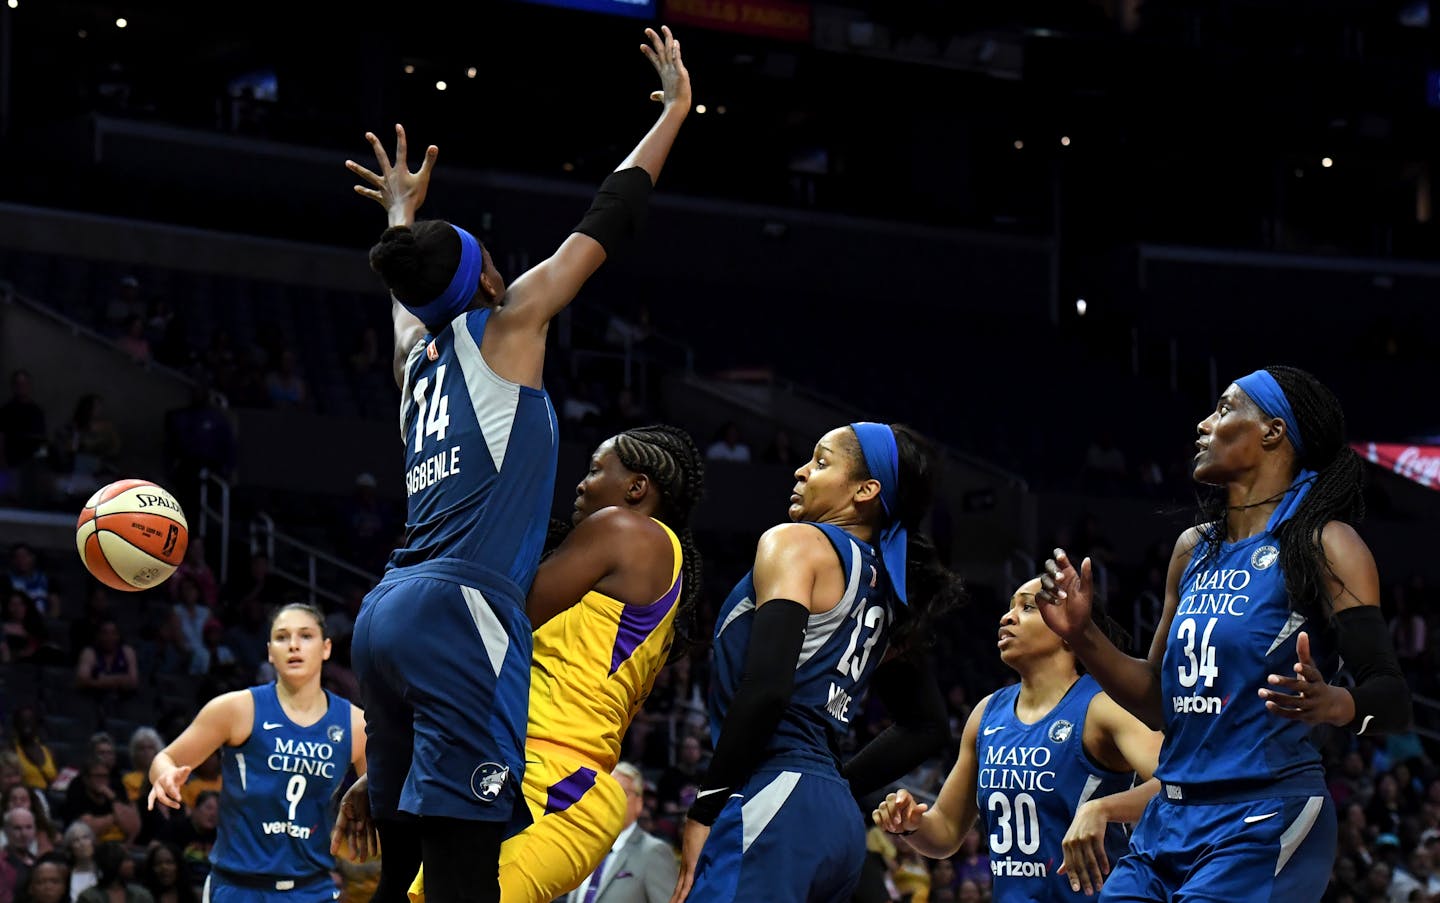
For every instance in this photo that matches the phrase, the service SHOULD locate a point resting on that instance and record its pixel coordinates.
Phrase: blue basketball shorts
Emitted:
(444, 672)
(786, 837)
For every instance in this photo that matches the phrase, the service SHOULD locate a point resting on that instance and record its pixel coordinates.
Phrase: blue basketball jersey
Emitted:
(1032, 778)
(842, 648)
(278, 790)
(480, 456)
(1233, 627)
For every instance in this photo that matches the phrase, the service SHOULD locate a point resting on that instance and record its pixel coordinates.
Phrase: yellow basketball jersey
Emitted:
(595, 663)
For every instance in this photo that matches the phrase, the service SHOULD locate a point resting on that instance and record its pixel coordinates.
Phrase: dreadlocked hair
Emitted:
(933, 589)
(668, 457)
(1338, 493)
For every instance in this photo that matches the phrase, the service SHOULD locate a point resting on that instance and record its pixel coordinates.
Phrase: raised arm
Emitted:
(400, 192)
(615, 217)
(1132, 682)
(225, 720)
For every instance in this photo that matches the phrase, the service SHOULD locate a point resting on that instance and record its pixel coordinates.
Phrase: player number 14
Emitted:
(437, 405)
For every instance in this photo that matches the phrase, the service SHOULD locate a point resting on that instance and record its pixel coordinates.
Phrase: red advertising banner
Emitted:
(1420, 463)
(783, 19)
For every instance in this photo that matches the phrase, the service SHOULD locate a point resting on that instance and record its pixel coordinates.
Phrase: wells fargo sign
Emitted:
(766, 18)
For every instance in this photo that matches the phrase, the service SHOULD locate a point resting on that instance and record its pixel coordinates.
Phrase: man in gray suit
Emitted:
(640, 868)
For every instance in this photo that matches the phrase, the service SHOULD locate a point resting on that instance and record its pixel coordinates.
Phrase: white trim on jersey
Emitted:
(492, 632)
(1292, 624)
(744, 606)
(1299, 829)
(820, 628)
(405, 400)
(494, 398)
(1092, 784)
(757, 812)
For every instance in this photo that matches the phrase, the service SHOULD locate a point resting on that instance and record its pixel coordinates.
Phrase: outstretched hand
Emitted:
(396, 188)
(1307, 696)
(353, 824)
(1065, 595)
(664, 54)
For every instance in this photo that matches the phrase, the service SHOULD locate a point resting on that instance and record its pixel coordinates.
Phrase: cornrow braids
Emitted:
(1338, 493)
(667, 455)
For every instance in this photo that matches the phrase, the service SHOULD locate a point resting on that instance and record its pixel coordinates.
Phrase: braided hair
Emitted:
(932, 587)
(668, 457)
(1337, 493)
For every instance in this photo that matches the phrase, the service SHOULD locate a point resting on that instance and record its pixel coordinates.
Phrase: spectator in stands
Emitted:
(96, 610)
(91, 799)
(728, 446)
(193, 615)
(86, 448)
(49, 881)
(22, 423)
(161, 876)
(249, 636)
(126, 302)
(19, 843)
(1416, 875)
(1384, 812)
(1104, 468)
(145, 742)
(220, 361)
(80, 845)
(109, 670)
(132, 340)
(1407, 630)
(162, 648)
(942, 876)
(26, 575)
(115, 884)
(256, 582)
(679, 783)
(102, 746)
(367, 525)
(207, 777)
(284, 385)
(340, 622)
(194, 834)
(45, 836)
(198, 569)
(1351, 782)
(219, 662)
(972, 863)
(197, 437)
(583, 410)
(37, 765)
(781, 450)
(20, 626)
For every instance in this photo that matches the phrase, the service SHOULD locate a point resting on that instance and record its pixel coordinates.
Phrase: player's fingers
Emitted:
(1284, 712)
(380, 156)
(658, 96)
(1302, 648)
(401, 148)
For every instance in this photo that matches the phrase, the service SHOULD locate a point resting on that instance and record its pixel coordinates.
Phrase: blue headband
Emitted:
(1270, 399)
(882, 459)
(460, 292)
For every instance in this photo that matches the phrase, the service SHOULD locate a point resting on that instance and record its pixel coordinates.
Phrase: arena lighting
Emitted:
(1326, 162)
(700, 108)
(1080, 306)
(121, 23)
(409, 69)
(440, 86)
(1064, 140)
(13, 4)
(83, 34)
(1019, 145)
(720, 110)
(471, 72)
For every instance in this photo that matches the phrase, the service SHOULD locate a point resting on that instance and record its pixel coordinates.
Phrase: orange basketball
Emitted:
(132, 535)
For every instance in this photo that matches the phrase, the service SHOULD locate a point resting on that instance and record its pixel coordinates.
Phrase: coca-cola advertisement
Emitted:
(1420, 463)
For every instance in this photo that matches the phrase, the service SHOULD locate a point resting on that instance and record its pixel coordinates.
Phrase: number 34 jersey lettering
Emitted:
(278, 788)
(842, 648)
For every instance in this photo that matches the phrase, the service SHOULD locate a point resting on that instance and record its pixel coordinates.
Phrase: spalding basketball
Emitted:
(132, 535)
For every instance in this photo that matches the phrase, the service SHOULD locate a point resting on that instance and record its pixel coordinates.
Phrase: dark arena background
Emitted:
(1046, 234)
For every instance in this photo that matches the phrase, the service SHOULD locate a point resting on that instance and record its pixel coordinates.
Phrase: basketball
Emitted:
(132, 535)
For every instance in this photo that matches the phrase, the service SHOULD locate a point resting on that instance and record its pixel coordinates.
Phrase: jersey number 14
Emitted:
(437, 406)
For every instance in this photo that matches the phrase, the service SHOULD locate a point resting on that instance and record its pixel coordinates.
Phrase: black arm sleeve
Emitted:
(1382, 698)
(918, 730)
(618, 212)
(760, 699)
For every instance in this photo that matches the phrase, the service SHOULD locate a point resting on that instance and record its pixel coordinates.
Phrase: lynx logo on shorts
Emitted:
(488, 780)
(1264, 557)
(1060, 731)
(336, 733)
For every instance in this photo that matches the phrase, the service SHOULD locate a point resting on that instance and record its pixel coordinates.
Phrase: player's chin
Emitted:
(796, 512)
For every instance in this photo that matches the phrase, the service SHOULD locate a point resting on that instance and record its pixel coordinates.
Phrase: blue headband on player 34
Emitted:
(1270, 399)
(882, 459)
(457, 296)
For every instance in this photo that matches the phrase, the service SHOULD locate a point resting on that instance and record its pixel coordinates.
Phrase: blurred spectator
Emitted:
(912, 876)
(37, 765)
(161, 876)
(145, 743)
(91, 799)
(102, 747)
(781, 450)
(194, 834)
(368, 525)
(45, 834)
(1407, 630)
(109, 670)
(728, 446)
(207, 777)
(1351, 782)
(249, 636)
(87, 448)
(284, 385)
(19, 825)
(116, 878)
(49, 881)
(162, 648)
(584, 407)
(96, 610)
(1384, 813)
(256, 582)
(193, 615)
(132, 340)
(970, 891)
(198, 569)
(22, 423)
(21, 626)
(972, 863)
(341, 621)
(1104, 468)
(197, 437)
(1416, 874)
(679, 782)
(217, 661)
(942, 876)
(80, 846)
(26, 575)
(629, 332)
(125, 303)
(627, 412)
(220, 360)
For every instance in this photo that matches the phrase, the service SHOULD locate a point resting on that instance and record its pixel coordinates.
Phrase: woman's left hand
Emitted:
(692, 840)
(395, 187)
(1307, 696)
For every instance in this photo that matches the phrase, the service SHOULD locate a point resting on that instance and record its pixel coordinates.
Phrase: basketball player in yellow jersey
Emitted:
(606, 607)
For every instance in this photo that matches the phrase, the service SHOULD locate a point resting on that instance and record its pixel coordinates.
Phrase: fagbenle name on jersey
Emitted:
(432, 470)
